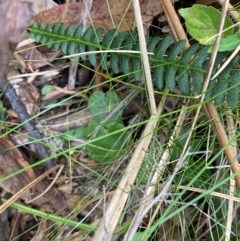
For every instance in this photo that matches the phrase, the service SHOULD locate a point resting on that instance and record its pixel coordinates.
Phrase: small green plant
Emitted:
(106, 127)
(107, 137)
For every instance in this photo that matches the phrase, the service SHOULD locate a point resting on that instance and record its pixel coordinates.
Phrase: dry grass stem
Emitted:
(234, 53)
(179, 31)
(208, 192)
(232, 183)
(174, 21)
(234, 14)
(74, 63)
(147, 205)
(144, 54)
(17, 195)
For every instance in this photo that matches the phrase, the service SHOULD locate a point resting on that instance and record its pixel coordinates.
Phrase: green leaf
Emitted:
(47, 89)
(202, 23)
(97, 105)
(111, 146)
(229, 43)
(75, 133)
(113, 101)
(101, 104)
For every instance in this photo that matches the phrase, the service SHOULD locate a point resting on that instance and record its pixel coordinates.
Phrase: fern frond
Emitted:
(232, 94)
(171, 66)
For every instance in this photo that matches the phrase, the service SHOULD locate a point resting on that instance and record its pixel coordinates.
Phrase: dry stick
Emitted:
(50, 185)
(29, 125)
(199, 190)
(224, 142)
(231, 134)
(175, 23)
(169, 21)
(146, 65)
(163, 162)
(74, 63)
(12, 27)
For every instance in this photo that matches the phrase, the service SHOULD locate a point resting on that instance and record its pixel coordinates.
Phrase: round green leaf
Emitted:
(202, 23)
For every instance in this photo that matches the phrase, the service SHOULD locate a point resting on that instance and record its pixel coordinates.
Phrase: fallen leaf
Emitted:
(10, 162)
(29, 96)
(29, 54)
(11, 28)
(43, 231)
(9, 165)
(42, 5)
(107, 14)
(31, 57)
(24, 223)
(6, 144)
